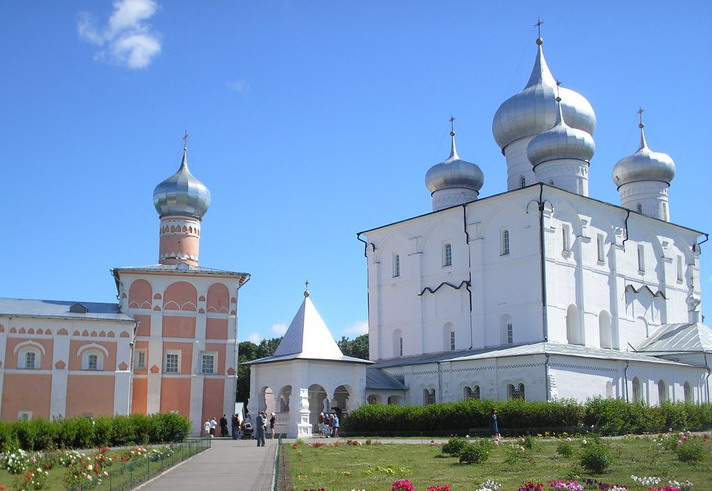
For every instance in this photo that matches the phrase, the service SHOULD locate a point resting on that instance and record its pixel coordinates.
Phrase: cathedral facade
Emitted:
(540, 292)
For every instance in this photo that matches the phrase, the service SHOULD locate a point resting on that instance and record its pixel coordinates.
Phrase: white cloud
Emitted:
(254, 337)
(238, 85)
(279, 329)
(127, 39)
(356, 329)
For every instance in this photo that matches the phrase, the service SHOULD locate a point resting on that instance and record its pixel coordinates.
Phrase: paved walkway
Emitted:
(229, 464)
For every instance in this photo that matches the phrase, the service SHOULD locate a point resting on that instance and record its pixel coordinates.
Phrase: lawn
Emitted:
(375, 467)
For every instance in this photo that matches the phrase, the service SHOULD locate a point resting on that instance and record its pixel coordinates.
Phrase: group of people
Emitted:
(329, 424)
(211, 425)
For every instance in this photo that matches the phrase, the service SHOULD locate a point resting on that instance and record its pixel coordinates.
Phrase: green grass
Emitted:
(376, 467)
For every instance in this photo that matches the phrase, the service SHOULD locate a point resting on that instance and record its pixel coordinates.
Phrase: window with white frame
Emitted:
(505, 242)
(172, 362)
(522, 182)
(24, 415)
(641, 259)
(207, 363)
(92, 360)
(599, 248)
(447, 255)
(396, 265)
(29, 358)
(140, 359)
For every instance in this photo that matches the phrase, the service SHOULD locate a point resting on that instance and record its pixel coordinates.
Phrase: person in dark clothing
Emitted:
(494, 426)
(271, 425)
(223, 426)
(235, 426)
(260, 429)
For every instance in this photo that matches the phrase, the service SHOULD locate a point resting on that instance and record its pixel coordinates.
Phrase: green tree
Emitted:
(357, 347)
(248, 351)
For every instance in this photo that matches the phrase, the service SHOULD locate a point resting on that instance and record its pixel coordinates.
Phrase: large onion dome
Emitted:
(454, 173)
(644, 165)
(560, 142)
(182, 194)
(533, 110)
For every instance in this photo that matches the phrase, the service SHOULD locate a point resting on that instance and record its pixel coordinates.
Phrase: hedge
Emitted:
(517, 417)
(80, 432)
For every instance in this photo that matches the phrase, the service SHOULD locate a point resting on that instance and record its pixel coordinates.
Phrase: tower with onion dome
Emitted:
(533, 111)
(560, 156)
(181, 201)
(643, 179)
(454, 181)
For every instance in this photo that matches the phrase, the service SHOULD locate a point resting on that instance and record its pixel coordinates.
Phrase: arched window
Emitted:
(395, 400)
(447, 255)
(604, 330)
(573, 331)
(373, 399)
(515, 391)
(396, 265)
(687, 391)
(565, 238)
(93, 356)
(429, 396)
(505, 242)
(637, 390)
(522, 181)
(29, 355)
(472, 392)
(662, 391)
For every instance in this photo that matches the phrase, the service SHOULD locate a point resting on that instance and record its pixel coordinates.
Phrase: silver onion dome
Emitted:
(644, 165)
(182, 194)
(454, 173)
(533, 111)
(560, 142)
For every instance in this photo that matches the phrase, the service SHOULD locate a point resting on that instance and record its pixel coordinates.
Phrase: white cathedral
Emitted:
(540, 292)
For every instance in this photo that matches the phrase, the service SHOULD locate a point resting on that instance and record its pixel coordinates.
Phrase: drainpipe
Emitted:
(544, 315)
(440, 383)
(132, 347)
(469, 269)
(627, 215)
(625, 379)
(368, 286)
(546, 376)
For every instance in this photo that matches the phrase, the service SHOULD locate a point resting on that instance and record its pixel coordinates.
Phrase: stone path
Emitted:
(229, 464)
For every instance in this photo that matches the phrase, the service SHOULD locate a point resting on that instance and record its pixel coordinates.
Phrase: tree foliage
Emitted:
(248, 351)
(357, 347)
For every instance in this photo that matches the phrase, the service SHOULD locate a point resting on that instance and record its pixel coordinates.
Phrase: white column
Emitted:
(304, 427)
(58, 396)
(122, 388)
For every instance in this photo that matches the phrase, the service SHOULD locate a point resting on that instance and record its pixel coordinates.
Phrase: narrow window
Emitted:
(171, 363)
(679, 269)
(447, 255)
(30, 359)
(400, 346)
(452, 340)
(522, 182)
(429, 396)
(510, 333)
(92, 362)
(396, 265)
(565, 238)
(140, 360)
(505, 242)
(599, 248)
(641, 259)
(639, 207)
(665, 212)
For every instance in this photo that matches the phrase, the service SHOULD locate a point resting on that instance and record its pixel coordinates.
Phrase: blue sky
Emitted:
(309, 121)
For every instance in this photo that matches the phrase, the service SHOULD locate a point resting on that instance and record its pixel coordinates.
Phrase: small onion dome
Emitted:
(560, 142)
(644, 165)
(182, 194)
(454, 173)
(532, 111)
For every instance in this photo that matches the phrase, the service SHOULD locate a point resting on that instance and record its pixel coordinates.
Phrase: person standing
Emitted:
(336, 425)
(213, 425)
(206, 427)
(223, 426)
(494, 424)
(260, 429)
(235, 426)
(271, 425)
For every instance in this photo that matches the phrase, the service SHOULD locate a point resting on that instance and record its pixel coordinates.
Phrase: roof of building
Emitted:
(178, 269)
(377, 379)
(542, 348)
(308, 338)
(62, 309)
(679, 338)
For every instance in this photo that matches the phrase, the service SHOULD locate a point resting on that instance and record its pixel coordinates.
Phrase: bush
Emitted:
(454, 446)
(691, 451)
(475, 453)
(565, 449)
(596, 458)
